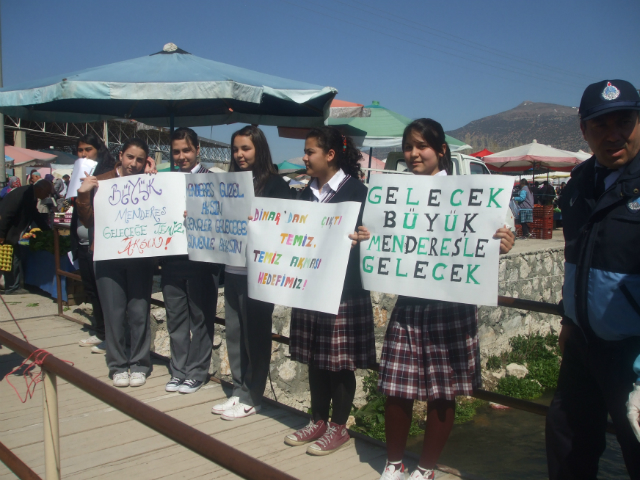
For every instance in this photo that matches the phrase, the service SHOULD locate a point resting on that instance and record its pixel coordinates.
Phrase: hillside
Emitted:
(554, 125)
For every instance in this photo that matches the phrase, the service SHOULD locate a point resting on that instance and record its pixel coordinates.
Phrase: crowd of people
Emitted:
(430, 351)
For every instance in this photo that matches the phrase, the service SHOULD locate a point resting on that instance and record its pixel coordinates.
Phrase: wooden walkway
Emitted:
(100, 442)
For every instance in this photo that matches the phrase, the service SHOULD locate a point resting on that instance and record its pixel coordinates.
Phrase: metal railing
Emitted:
(199, 442)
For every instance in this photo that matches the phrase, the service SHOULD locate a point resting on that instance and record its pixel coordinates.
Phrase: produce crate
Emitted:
(543, 222)
(518, 230)
(542, 233)
(542, 211)
(6, 257)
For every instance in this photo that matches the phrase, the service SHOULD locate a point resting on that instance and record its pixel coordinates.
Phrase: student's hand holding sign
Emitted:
(507, 239)
(359, 235)
(88, 183)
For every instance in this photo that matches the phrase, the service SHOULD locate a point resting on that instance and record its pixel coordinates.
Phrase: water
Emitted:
(509, 444)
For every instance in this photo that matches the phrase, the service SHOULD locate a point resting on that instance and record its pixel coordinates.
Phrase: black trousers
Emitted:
(190, 298)
(85, 260)
(595, 380)
(329, 387)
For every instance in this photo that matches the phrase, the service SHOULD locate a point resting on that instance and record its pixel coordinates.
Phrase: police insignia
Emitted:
(610, 92)
(634, 205)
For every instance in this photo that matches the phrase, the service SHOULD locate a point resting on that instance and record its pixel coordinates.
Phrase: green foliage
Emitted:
(545, 371)
(541, 355)
(525, 388)
(494, 363)
(370, 417)
(32, 304)
(43, 240)
(466, 408)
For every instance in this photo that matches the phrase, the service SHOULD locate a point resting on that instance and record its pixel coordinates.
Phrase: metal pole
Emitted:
(3, 165)
(56, 262)
(171, 129)
(51, 426)
(105, 133)
(370, 155)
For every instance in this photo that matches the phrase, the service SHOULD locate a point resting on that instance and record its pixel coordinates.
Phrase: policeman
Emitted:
(600, 337)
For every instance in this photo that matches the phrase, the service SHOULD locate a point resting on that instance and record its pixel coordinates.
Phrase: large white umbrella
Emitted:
(534, 155)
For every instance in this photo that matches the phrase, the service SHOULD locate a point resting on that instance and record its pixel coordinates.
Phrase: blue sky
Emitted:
(454, 61)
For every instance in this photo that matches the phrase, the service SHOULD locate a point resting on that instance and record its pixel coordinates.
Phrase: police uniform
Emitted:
(601, 296)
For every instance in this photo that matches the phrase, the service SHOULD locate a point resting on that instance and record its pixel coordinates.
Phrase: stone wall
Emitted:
(533, 276)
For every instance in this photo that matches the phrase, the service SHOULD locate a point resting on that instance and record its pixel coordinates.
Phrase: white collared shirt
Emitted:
(612, 177)
(330, 187)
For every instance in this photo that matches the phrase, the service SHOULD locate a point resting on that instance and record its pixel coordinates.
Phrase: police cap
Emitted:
(607, 96)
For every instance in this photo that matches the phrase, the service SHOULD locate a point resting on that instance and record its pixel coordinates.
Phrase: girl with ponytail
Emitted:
(333, 346)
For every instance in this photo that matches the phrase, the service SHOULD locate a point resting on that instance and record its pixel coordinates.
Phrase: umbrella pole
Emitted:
(370, 155)
(3, 165)
(171, 129)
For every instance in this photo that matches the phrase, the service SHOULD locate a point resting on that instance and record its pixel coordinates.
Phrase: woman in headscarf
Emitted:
(14, 182)
(59, 192)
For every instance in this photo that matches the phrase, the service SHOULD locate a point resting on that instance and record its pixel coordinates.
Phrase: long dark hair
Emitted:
(347, 155)
(432, 133)
(263, 166)
(188, 134)
(135, 142)
(105, 160)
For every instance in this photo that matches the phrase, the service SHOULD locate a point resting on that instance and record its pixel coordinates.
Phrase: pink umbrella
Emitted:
(23, 157)
(533, 155)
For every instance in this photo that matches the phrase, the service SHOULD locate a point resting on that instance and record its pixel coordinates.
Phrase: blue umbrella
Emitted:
(170, 88)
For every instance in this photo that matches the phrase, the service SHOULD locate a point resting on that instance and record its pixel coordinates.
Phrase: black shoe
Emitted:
(173, 385)
(190, 386)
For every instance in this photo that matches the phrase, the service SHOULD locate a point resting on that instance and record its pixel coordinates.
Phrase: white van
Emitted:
(462, 164)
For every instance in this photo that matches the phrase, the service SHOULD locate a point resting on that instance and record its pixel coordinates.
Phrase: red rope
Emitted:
(31, 378)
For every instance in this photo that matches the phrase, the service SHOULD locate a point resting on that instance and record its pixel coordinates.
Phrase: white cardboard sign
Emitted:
(218, 207)
(140, 216)
(298, 252)
(432, 237)
(80, 167)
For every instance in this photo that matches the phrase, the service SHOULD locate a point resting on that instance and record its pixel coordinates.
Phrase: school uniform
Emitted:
(248, 323)
(191, 297)
(337, 344)
(124, 287)
(430, 350)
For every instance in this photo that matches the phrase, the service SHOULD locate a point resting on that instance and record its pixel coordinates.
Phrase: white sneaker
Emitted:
(137, 379)
(427, 475)
(240, 410)
(121, 379)
(220, 408)
(101, 348)
(393, 471)
(90, 342)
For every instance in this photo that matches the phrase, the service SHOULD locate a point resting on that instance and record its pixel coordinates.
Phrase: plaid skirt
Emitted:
(431, 352)
(335, 342)
(526, 215)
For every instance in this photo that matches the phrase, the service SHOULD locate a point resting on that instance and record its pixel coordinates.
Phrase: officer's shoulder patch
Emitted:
(634, 205)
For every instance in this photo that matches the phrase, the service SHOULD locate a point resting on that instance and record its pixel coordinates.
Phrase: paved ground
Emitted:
(100, 442)
(533, 245)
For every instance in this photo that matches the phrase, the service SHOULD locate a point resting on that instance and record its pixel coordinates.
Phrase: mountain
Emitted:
(554, 125)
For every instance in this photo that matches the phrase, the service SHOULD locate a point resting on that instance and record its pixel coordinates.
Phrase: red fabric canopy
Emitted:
(481, 153)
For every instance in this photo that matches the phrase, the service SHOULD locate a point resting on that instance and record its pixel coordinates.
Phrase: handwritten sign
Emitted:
(80, 167)
(298, 252)
(432, 237)
(218, 207)
(140, 216)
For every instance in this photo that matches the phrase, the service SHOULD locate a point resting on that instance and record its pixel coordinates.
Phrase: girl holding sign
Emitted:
(92, 148)
(124, 285)
(333, 346)
(430, 350)
(248, 321)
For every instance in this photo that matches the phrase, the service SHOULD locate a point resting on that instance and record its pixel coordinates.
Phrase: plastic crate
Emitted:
(542, 211)
(542, 233)
(6, 257)
(543, 222)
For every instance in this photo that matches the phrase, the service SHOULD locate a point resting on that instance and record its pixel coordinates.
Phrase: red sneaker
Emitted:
(334, 438)
(310, 433)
